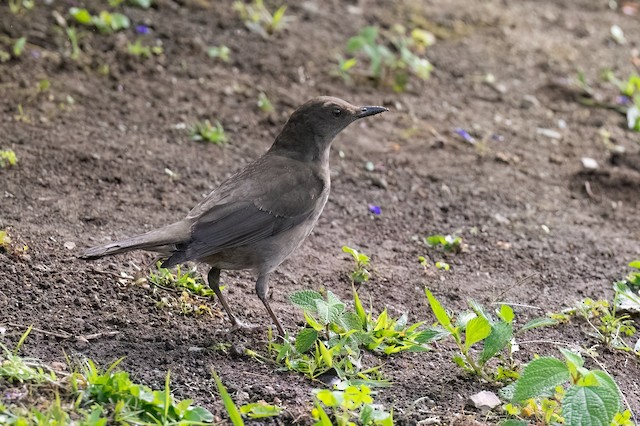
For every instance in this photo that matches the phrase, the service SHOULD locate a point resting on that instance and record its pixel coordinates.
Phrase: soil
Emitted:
(540, 230)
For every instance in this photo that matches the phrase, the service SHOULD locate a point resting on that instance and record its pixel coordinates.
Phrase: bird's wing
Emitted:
(250, 207)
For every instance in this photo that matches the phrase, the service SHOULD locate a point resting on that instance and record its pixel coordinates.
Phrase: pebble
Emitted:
(484, 401)
(589, 163)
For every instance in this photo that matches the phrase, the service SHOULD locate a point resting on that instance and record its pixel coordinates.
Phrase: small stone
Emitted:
(589, 163)
(529, 101)
(550, 133)
(484, 401)
(69, 245)
(503, 220)
(380, 182)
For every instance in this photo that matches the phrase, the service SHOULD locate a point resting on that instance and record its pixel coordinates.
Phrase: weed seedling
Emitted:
(105, 22)
(204, 131)
(18, 46)
(447, 243)
(630, 89)
(220, 52)
(8, 158)
(388, 66)
(264, 103)
(478, 326)
(142, 51)
(189, 285)
(16, 6)
(259, 19)
(348, 404)
(359, 274)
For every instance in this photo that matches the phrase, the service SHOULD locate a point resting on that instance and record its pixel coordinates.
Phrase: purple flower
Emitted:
(466, 136)
(374, 209)
(142, 29)
(623, 100)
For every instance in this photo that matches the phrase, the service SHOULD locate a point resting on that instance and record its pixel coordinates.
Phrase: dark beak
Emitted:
(370, 110)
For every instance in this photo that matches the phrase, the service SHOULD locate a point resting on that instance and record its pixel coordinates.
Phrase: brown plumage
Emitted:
(258, 217)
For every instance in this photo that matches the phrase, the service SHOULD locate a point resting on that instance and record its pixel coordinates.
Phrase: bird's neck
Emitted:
(298, 143)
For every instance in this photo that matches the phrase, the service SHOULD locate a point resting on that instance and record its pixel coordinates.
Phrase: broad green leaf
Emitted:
(350, 321)
(324, 419)
(322, 308)
(464, 318)
(501, 334)
(477, 329)
(635, 264)
(260, 410)
(312, 322)
(589, 406)
(119, 21)
(538, 322)
(539, 378)
(305, 299)
(229, 405)
(81, 15)
(440, 313)
(506, 313)
(514, 422)
(627, 299)
(431, 335)
(198, 414)
(336, 307)
(305, 339)
(607, 381)
(18, 46)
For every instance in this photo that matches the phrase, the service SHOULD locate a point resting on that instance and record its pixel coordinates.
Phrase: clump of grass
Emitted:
(447, 243)
(204, 131)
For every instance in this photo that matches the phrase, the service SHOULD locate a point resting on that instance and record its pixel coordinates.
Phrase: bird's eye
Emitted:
(337, 112)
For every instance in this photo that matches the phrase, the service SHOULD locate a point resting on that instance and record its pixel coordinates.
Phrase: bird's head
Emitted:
(312, 127)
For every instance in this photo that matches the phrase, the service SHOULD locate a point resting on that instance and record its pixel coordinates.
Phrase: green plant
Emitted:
(554, 391)
(105, 22)
(447, 243)
(359, 274)
(72, 34)
(388, 66)
(140, 50)
(190, 286)
(204, 131)
(334, 337)
(264, 103)
(220, 52)
(478, 326)
(18, 46)
(8, 158)
(143, 4)
(256, 410)
(349, 403)
(16, 6)
(631, 89)
(259, 19)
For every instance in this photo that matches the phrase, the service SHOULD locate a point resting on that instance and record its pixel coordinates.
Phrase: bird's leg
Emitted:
(214, 283)
(262, 288)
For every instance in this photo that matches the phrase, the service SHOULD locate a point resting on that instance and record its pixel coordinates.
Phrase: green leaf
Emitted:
(477, 329)
(539, 378)
(198, 414)
(81, 15)
(305, 299)
(607, 381)
(350, 321)
(305, 340)
(325, 353)
(440, 313)
(635, 264)
(362, 314)
(260, 410)
(501, 334)
(119, 21)
(506, 313)
(18, 46)
(574, 360)
(229, 405)
(538, 322)
(514, 422)
(336, 307)
(589, 406)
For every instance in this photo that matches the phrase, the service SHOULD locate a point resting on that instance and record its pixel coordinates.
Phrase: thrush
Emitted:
(258, 217)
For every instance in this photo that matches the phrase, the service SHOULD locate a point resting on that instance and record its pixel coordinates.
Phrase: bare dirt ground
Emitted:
(94, 170)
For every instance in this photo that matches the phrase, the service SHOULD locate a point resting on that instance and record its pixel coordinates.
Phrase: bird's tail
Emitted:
(159, 240)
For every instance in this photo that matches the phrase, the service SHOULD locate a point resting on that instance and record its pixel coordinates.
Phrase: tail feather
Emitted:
(159, 240)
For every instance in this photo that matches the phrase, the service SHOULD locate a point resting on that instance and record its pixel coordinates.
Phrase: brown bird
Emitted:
(258, 217)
